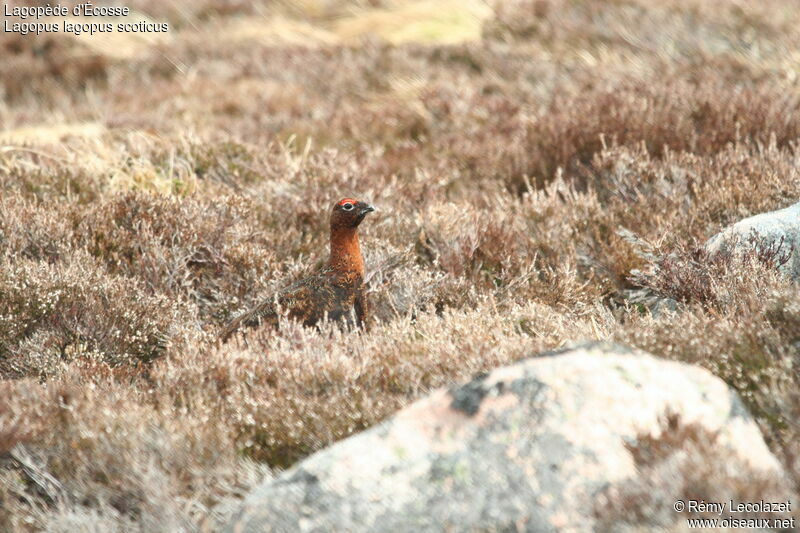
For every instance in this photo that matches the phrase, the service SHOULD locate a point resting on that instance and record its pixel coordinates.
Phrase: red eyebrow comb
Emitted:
(348, 200)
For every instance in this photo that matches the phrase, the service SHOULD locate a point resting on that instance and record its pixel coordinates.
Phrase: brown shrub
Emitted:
(290, 394)
(521, 181)
(46, 61)
(755, 359)
(184, 250)
(713, 279)
(673, 115)
(34, 175)
(31, 230)
(52, 314)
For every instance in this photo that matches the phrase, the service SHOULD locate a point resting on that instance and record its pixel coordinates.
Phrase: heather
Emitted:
(545, 172)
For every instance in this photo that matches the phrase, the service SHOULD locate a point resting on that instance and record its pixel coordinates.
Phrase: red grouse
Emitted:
(333, 293)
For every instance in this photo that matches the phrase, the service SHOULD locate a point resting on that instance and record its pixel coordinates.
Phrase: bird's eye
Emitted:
(347, 207)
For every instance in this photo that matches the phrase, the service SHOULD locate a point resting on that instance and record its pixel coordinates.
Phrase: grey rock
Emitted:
(775, 228)
(648, 299)
(528, 447)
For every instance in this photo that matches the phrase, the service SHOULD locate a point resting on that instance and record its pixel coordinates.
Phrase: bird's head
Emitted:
(348, 213)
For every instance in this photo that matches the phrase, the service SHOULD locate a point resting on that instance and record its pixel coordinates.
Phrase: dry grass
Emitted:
(546, 181)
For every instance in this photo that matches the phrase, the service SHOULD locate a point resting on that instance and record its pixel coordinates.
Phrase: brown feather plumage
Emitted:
(336, 292)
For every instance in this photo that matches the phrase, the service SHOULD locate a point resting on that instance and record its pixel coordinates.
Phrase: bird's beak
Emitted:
(367, 209)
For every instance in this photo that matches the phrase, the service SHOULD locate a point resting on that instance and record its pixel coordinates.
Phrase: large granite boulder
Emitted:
(597, 437)
(779, 230)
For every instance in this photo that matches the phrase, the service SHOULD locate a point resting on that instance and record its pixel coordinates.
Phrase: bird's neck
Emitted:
(346, 256)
